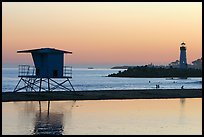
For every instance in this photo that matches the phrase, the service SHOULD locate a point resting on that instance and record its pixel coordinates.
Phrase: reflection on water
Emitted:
(142, 116)
(182, 111)
(182, 100)
(48, 123)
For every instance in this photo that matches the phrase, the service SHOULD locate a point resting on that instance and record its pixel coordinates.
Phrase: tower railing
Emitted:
(30, 71)
(33, 82)
(67, 71)
(26, 70)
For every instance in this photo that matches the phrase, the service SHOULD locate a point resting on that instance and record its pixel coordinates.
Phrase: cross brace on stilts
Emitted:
(32, 84)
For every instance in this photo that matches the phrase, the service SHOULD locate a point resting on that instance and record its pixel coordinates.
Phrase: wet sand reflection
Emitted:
(49, 122)
(182, 111)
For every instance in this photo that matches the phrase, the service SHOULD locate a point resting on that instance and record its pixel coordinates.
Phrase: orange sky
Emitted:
(103, 33)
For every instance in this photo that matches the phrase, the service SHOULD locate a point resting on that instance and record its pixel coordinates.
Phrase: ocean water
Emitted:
(96, 79)
(103, 117)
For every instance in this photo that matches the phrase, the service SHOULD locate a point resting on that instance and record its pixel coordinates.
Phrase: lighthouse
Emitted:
(183, 61)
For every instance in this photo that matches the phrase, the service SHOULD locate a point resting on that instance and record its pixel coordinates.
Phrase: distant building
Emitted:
(175, 64)
(196, 64)
(150, 65)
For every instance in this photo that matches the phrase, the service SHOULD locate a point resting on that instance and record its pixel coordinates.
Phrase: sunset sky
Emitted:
(103, 33)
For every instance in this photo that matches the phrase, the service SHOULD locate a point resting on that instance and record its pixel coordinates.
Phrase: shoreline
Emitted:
(102, 95)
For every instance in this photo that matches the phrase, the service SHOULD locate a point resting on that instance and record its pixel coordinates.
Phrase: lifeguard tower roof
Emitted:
(44, 50)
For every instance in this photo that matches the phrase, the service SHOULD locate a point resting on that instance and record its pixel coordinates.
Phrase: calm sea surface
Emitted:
(141, 116)
(95, 79)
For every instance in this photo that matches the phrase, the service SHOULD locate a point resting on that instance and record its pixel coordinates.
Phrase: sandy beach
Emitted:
(102, 95)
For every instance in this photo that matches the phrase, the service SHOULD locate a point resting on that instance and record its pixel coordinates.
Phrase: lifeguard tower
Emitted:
(46, 73)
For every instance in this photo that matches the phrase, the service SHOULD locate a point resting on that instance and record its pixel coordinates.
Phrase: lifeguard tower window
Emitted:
(55, 73)
(37, 71)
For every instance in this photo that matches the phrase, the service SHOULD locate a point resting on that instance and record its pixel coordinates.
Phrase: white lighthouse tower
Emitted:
(183, 61)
